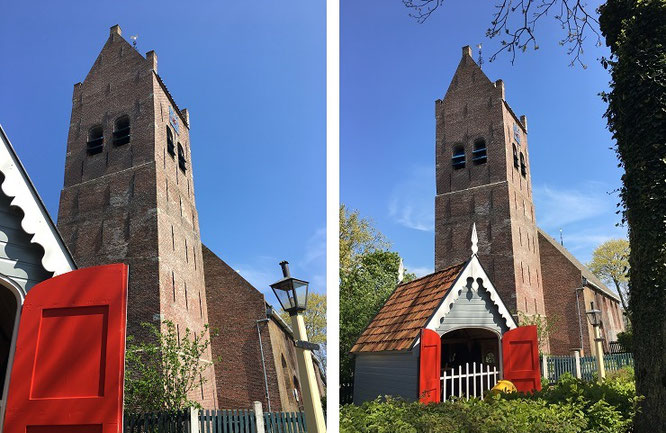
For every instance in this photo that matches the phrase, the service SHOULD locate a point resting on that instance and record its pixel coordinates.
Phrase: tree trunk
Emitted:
(636, 33)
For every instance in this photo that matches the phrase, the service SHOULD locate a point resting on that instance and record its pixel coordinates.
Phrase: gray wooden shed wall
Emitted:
(386, 373)
(20, 260)
(473, 310)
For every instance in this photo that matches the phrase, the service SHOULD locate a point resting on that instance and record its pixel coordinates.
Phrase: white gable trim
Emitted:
(36, 220)
(472, 269)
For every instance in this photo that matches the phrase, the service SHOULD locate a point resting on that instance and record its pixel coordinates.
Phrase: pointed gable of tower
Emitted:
(469, 75)
(117, 55)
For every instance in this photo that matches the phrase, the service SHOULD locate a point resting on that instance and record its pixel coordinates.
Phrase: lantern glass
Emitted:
(594, 317)
(301, 294)
(292, 294)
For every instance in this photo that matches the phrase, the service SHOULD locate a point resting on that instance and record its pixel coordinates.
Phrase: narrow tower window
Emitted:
(170, 146)
(458, 159)
(95, 139)
(480, 152)
(523, 167)
(121, 131)
(182, 163)
(515, 156)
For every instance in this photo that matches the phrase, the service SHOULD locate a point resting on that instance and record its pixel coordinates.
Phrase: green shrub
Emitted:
(570, 406)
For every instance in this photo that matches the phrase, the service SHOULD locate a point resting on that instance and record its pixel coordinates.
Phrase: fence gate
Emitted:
(474, 380)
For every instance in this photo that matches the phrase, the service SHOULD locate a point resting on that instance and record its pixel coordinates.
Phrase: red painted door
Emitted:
(68, 369)
(520, 356)
(430, 361)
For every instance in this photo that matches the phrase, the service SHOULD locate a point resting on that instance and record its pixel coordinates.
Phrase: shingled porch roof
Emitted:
(406, 312)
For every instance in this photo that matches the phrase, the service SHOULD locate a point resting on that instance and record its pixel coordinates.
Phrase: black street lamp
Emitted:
(594, 317)
(292, 293)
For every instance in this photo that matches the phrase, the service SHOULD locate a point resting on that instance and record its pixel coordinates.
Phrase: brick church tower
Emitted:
(483, 176)
(128, 194)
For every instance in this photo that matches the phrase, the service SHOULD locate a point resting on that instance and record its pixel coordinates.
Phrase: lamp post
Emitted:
(594, 317)
(292, 294)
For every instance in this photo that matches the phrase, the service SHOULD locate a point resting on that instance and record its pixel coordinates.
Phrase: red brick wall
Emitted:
(234, 308)
(493, 195)
(114, 206)
(560, 280)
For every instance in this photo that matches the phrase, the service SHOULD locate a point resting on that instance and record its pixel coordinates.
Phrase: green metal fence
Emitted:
(214, 421)
(227, 421)
(163, 422)
(284, 422)
(558, 365)
(245, 421)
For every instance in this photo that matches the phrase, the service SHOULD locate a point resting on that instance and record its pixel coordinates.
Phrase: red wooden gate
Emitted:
(68, 370)
(521, 358)
(430, 361)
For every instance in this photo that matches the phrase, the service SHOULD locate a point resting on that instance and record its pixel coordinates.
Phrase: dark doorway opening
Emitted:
(8, 308)
(471, 362)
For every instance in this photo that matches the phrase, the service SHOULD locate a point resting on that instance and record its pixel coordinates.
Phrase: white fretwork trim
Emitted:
(472, 270)
(36, 222)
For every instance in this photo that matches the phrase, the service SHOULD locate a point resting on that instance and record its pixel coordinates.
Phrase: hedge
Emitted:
(570, 406)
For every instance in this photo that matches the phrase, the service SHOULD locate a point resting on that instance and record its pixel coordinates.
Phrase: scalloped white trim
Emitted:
(18, 187)
(473, 270)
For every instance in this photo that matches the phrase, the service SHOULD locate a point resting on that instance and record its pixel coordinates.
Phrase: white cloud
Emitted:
(261, 277)
(419, 271)
(557, 208)
(412, 200)
(315, 247)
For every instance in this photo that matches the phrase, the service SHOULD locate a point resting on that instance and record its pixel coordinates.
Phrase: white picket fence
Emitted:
(482, 378)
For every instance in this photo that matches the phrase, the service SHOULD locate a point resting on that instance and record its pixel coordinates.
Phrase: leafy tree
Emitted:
(315, 322)
(546, 326)
(357, 237)
(369, 276)
(635, 32)
(161, 371)
(610, 262)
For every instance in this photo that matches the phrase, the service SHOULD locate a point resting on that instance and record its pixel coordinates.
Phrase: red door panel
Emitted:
(68, 370)
(520, 356)
(429, 365)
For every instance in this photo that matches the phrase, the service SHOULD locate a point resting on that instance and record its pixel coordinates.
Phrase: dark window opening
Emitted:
(170, 147)
(95, 140)
(121, 131)
(182, 163)
(523, 167)
(480, 152)
(515, 156)
(458, 159)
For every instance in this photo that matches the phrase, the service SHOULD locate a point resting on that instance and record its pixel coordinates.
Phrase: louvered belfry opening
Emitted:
(121, 131)
(170, 147)
(95, 140)
(458, 158)
(182, 162)
(480, 152)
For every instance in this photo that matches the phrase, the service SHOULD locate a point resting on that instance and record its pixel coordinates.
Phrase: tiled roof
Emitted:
(406, 312)
(583, 269)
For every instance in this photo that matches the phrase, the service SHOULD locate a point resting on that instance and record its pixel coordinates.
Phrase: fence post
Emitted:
(544, 366)
(259, 415)
(194, 420)
(579, 374)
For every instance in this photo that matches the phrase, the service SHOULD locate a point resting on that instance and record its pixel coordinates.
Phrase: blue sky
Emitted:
(252, 75)
(392, 71)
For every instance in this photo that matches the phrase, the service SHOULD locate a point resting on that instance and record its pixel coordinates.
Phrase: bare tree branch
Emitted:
(516, 21)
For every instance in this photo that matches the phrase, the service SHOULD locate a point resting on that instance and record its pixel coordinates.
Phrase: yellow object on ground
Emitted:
(503, 386)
